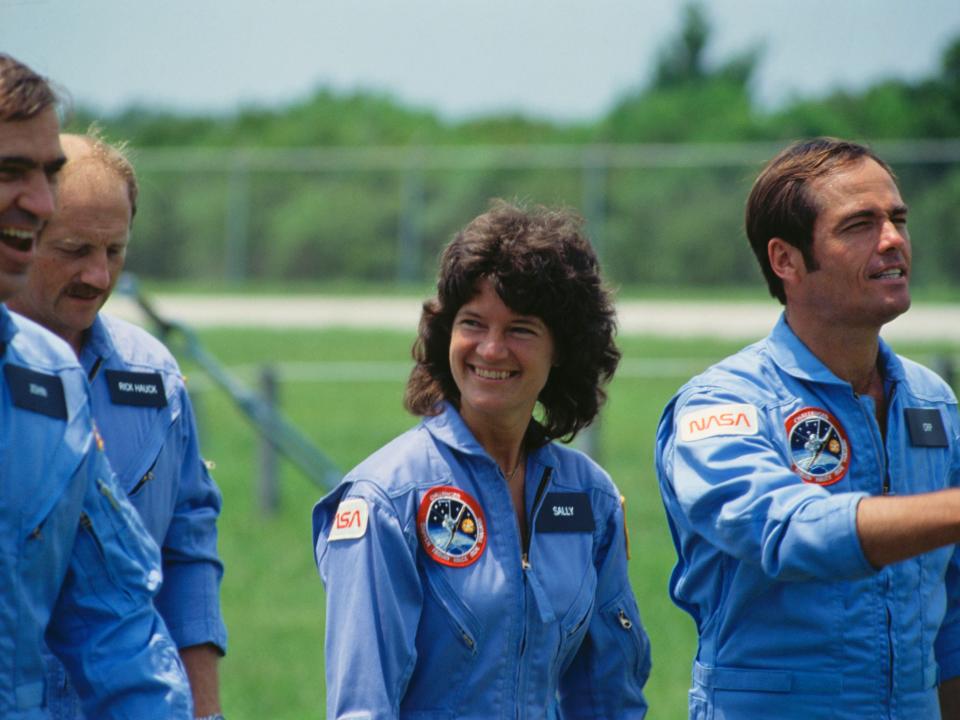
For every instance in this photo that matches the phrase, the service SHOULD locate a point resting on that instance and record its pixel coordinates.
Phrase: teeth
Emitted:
(492, 374)
(17, 238)
(890, 274)
(17, 233)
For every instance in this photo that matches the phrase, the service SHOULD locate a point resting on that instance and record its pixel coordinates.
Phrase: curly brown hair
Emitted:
(540, 263)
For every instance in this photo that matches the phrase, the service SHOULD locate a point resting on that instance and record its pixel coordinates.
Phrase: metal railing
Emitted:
(260, 409)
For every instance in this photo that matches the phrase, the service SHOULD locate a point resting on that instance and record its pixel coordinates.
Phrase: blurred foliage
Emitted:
(378, 219)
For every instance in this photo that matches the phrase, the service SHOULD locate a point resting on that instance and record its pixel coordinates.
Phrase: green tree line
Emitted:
(240, 195)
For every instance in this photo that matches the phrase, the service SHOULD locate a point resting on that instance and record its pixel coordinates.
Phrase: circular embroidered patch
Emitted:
(451, 526)
(819, 449)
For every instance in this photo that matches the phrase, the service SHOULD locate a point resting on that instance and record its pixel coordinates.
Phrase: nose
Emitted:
(96, 271)
(39, 198)
(893, 237)
(492, 347)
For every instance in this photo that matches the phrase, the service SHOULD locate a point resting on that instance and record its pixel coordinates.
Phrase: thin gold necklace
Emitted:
(516, 468)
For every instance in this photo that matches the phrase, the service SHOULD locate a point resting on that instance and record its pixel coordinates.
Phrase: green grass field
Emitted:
(272, 596)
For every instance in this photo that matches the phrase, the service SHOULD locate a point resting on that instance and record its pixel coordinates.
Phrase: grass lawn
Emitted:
(272, 596)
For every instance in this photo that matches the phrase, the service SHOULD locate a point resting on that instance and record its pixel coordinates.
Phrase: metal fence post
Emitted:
(269, 485)
(595, 167)
(410, 241)
(237, 221)
(588, 440)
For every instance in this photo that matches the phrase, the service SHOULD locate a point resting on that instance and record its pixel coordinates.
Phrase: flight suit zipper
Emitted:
(525, 566)
(91, 376)
(528, 533)
(885, 489)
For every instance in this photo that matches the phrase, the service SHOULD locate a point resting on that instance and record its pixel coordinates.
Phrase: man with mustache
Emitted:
(140, 405)
(812, 480)
(77, 569)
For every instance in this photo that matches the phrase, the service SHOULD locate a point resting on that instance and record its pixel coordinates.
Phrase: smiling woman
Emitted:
(474, 543)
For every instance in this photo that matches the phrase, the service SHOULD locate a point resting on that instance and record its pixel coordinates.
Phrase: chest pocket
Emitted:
(562, 574)
(134, 432)
(449, 637)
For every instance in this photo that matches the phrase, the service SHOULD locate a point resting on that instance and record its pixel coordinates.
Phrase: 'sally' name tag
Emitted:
(565, 512)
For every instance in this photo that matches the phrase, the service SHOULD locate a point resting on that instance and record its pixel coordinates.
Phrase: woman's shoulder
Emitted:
(577, 471)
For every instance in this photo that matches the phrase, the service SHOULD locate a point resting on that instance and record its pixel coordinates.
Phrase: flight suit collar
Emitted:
(7, 328)
(793, 357)
(97, 345)
(449, 428)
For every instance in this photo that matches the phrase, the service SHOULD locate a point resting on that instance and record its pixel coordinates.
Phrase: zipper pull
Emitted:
(625, 622)
(524, 561)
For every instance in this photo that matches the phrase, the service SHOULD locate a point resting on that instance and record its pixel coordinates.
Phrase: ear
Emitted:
(786, 261)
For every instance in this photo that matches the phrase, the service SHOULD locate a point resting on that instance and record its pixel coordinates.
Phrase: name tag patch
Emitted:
(733, 419)
(926, 427)
(136, 388)
(565, 512)
(36, 391)
(350, 520)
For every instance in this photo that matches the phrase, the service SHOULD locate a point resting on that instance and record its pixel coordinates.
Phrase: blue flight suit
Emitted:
(478, 622)
(144, 415)
(76, 567)
(762, 461)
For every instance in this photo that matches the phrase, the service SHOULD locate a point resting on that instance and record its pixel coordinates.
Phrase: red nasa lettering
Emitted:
(727, 419)
(348, 518)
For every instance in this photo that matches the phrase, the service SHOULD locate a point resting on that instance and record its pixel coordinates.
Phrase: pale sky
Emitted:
(554, 59)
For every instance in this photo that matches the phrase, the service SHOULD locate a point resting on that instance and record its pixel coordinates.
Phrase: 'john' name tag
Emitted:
(135, 388)
(36, 391)
(926, 427)
(565, 512)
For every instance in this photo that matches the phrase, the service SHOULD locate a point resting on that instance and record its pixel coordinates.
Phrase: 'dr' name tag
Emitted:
(136, 388)
(36, 391)
(926, 427)
(565, 512)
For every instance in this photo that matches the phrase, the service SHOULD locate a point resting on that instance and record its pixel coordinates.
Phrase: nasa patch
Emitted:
(733, 419)
(350, 520)
(451, 526)
(819, 449)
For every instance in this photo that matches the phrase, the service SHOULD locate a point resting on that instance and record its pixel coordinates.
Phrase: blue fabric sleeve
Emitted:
(104, 627)
(374, 598)
(738, 492)
(607, 675)
(189, 599)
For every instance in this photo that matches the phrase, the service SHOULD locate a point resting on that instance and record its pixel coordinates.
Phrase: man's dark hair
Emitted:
(23, 93)
(781, 204)
(540, 263)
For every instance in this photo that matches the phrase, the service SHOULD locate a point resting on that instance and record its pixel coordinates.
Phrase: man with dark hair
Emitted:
(811, 480)
(76, 566)
(139, 402)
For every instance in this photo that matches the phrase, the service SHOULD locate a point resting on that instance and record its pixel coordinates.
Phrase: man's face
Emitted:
(80, 253)
(861, 249)
(30, 158)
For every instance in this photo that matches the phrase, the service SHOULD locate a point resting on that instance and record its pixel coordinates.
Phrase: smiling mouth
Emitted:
(16, 239)
(892, 274)
(488, 374)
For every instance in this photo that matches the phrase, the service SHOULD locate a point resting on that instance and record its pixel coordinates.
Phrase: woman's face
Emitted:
(500, 360)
